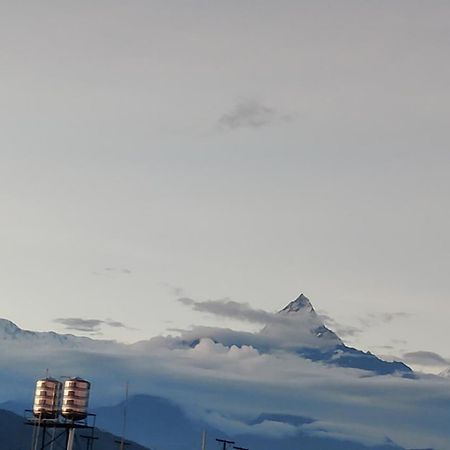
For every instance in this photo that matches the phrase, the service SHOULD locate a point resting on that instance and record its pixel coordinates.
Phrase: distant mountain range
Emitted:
(293, 384)
(159, 424)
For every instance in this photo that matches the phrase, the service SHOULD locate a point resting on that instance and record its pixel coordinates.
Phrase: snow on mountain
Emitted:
(14, 335)
(339, 354)
(300, 304)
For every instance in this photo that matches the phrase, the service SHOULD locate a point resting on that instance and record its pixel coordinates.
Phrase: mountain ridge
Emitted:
(306, 333)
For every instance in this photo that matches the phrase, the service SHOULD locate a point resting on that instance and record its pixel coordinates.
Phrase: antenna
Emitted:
(122, 440)
(204, 440)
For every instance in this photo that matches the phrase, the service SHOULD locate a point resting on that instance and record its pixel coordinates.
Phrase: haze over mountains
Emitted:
(293, 382)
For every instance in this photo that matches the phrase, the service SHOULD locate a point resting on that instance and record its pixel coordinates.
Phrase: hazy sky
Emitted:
(254, 150)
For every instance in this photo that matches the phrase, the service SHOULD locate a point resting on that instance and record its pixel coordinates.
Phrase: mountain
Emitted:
(161, 424)
(301, 327)
(154, 421)
(341, 355)
(292, 384)
(10, 333)
(298, 328)
(15, 435)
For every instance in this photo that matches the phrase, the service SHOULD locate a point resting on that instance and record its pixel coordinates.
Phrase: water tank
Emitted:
(75, 399)
(47, 398)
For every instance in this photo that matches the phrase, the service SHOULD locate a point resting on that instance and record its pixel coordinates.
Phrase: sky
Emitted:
(243, 150)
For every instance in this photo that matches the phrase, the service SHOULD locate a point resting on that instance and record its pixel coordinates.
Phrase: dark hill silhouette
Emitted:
(15, 435)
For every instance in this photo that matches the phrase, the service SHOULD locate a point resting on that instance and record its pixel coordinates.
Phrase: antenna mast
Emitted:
(204, 440)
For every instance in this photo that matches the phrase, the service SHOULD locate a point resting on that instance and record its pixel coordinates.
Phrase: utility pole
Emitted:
(225, 443)
(240, 448)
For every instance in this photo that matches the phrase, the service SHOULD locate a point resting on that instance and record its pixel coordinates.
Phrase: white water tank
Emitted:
(47, 398)
(75, 399)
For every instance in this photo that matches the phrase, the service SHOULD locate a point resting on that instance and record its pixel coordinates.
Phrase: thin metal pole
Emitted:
(204, 440)
(70, 438)
(43, 437)
(122, 440)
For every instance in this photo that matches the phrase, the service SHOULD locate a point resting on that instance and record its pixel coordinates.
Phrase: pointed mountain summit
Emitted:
(301, 303)
(304, 308)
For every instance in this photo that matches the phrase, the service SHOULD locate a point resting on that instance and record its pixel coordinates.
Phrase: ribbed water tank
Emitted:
(47, 398)
(75, 399)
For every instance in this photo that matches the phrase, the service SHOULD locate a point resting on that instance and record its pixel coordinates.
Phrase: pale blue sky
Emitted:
(242, 149)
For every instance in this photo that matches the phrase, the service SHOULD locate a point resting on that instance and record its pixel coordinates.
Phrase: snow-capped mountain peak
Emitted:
(301, 303)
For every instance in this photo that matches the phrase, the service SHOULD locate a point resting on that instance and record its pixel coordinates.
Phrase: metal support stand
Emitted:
(43, 439)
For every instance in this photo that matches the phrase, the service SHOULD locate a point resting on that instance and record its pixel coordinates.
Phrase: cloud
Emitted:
(279, 330)
(369, 321)
(376, 319)
(113, 271)
(88, 325)
(425, 358)
(178, 291)
(233, 310)
(342, 330)
(250, 113)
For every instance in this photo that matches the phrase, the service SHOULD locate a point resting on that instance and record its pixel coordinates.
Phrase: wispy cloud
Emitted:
(233, 310)
(91, 326)
(371, 320)
(375, 319)
(425, 358)
(112, 271)
(250, 113)
(177, 291)
(341, 329)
